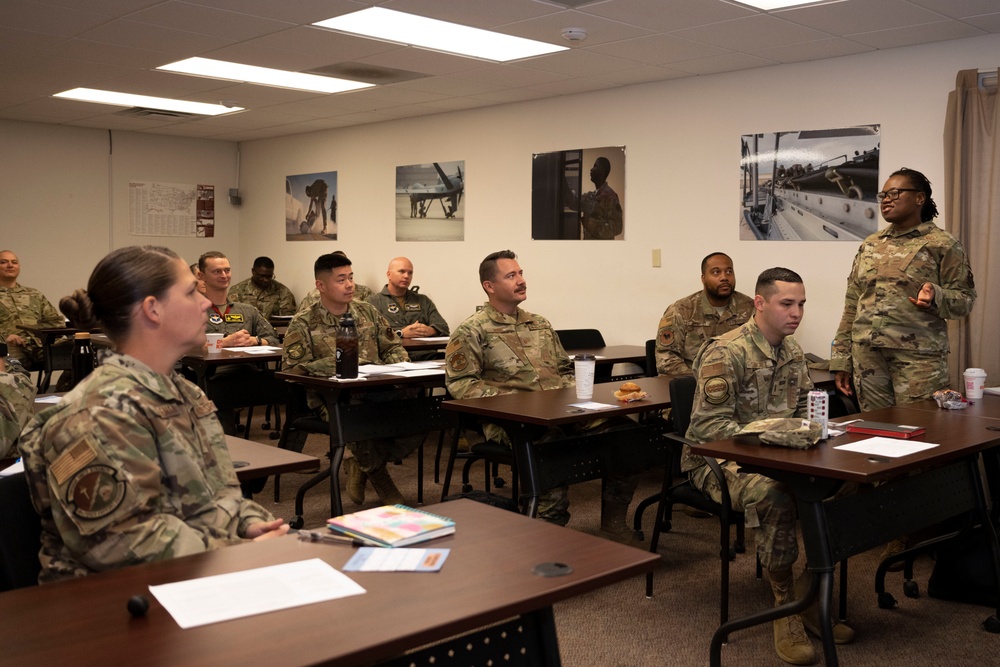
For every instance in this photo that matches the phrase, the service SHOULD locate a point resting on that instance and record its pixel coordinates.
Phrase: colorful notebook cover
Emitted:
(884, 429)
(392, 525)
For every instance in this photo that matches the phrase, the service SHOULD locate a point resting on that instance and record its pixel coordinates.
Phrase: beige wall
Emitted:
(682, 143)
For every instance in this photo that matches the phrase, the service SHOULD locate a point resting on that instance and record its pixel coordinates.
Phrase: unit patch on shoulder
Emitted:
(95, 492)
(458, 362)
(296, 351)
(717, 390)
(666, 336)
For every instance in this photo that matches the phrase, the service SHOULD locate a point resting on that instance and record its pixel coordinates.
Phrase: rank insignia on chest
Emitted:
(393, 308)
(234, 317)
(215, 319)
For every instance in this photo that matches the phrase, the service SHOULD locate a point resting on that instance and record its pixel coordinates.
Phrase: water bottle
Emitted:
(82, 357)
(347, 348)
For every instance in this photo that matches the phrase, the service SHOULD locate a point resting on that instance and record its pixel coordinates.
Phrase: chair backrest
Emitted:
(577, 339)
(651, 358)
(20, 530)
(681, 402)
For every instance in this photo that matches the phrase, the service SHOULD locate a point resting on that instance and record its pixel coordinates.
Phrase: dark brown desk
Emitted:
(201, 362)
(610, 355)
(488, 578)
(254, 460)
(525, 416)
(916, 491)
(418, 345)
(351, 421)
(987, 407)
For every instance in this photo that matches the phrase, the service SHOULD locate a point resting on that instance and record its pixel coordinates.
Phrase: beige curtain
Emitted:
(972, 213)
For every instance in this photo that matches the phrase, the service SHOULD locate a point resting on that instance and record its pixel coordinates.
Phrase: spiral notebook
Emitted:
(392, 525)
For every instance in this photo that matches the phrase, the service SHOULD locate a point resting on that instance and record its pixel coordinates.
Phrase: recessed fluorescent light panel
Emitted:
(393, 26)
(129, 100)
(219, 69)
(768, 5)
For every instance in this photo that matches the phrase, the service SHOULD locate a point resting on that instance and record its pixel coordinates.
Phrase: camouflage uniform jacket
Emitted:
(602, 213)
(238, 316)
(131, 467)
(17, 395)
(416, 307)
(890, 267)
(361, 293)
(689, 322)
(275, 300)
(741, 378)
(311, 341)
(25, 306)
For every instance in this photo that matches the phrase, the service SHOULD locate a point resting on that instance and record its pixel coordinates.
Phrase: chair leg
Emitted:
(246, 430)
(450, 467)
(843, 591)
(654, 540)
(437, 456)
(420, 472)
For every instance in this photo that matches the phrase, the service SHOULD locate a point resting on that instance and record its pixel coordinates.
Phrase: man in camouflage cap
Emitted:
(906, 282)
(16, 396)
(21, 307)
(755, 372)
(503, 349)
(310, 345)
(689, 322)
(263, 292)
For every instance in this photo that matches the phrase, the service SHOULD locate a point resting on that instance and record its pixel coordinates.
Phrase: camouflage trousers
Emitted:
(768, 506)
(884, 377)
(553, 504)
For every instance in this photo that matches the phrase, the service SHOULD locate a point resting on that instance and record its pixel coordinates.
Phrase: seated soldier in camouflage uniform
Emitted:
(17, 395)
(132, 466)
(310, 345)
(689, 322)
(21, 307)
(503, 349)
(755, 372)
(263, 292)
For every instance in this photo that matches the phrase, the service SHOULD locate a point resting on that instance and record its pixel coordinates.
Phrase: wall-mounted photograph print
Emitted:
(430, 202)
(311, 207)
(810, 185)
(578, 194)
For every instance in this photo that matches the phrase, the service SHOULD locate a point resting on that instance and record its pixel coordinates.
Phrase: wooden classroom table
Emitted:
(487, 578)
(915, 491)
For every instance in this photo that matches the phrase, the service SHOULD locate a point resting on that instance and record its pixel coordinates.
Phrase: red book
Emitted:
(886, 430)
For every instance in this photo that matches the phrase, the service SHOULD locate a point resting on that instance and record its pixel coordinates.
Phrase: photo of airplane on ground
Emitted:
(429, 202)
(810, 185)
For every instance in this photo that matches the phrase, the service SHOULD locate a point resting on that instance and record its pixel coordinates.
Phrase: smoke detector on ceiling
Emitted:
(574, 34)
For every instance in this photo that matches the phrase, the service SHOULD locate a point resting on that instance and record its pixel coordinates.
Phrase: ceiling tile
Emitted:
(421, 60)
(475, 13)
(66, 21)
(508, 75)
(115, 54)
(751, 33)
(917, 34)
(156, 38)
(655, 15)
(643, 74)
(987, 22)
(254, 53)
(208, 21)
(13, 40)
(449, 87)
(295, 11)
(512, 95)
(847, 18)
(731, 62)
(957, 9)
(335, 47)
(578, 62)
(108, 7)
(549, 29)
(823, 48)
(660, 49)
(573, 86)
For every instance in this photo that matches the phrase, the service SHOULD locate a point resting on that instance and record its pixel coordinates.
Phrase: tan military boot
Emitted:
(613, 524)
(356, 481)
(385, 487)
(842, 633)
(790, 640)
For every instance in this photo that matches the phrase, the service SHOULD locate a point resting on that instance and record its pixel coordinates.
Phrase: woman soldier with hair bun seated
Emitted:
(132, 465)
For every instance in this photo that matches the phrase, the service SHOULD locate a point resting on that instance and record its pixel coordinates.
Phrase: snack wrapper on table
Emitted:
(949, 399)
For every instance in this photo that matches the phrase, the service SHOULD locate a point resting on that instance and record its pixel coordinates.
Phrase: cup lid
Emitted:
(584, 357)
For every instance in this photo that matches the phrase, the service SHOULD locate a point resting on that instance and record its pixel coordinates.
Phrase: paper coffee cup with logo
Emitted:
(584, 367)
(975, 381)
(214, 343)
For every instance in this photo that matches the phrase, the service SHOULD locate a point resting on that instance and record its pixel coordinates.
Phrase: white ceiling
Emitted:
(47, 46)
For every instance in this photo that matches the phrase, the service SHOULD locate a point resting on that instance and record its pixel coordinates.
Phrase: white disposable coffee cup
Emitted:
(584, 365)
(975, 380)
(214, 342)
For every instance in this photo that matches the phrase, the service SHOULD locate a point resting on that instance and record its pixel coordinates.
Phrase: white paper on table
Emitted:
(15, 468)
(255, 349)
(224, 597)
(48, 399)
(433, 339)
(379, 369)
(415, 365)
(416, 372)
(992, 390)
(593, 405)
(890, 447)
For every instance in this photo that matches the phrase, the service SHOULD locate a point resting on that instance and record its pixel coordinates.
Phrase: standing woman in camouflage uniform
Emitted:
(132, 465)
(907, 279)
